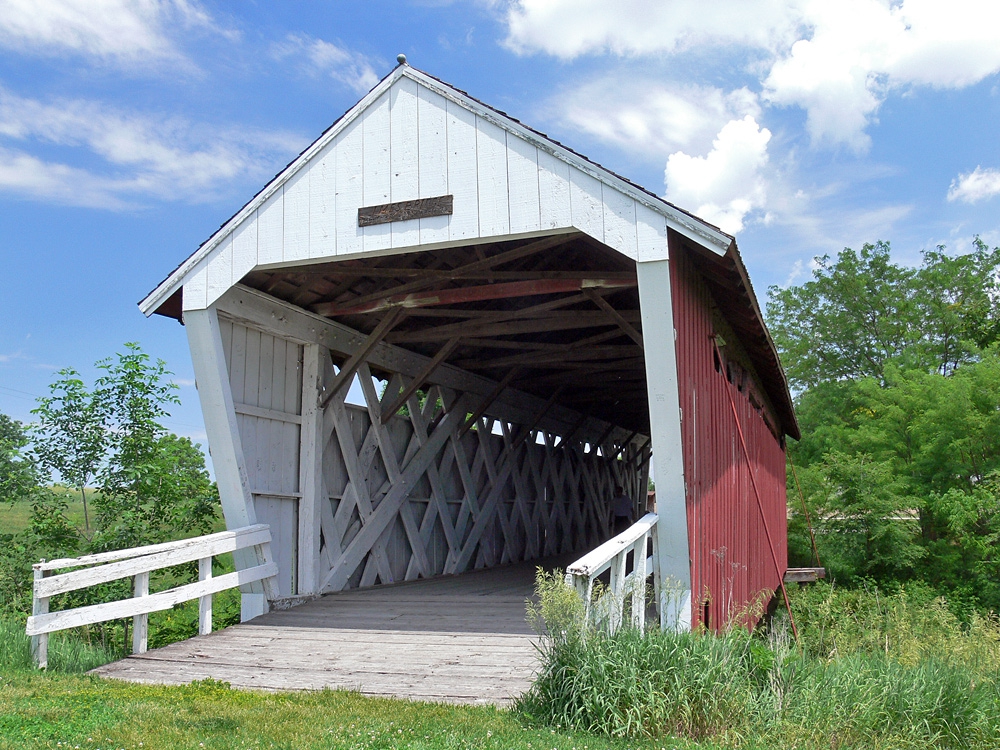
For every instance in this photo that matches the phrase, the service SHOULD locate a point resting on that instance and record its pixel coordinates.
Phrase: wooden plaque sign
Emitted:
(421, 208)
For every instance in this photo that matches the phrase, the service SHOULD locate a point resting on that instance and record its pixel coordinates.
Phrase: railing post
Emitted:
(639, 574)
(617, 590)
(140, 623)
(205, 602)
(39, 643)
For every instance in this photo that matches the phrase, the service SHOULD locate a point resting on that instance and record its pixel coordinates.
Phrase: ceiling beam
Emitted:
(612, 313)
(462, 295)
(505, 257)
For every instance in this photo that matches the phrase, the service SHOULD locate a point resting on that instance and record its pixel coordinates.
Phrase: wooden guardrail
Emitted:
(613, 555)
(138, 563)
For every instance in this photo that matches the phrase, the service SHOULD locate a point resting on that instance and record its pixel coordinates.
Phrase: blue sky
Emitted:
(131, 129)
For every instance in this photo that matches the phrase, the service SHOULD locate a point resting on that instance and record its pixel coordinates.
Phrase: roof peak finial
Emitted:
(401, 58)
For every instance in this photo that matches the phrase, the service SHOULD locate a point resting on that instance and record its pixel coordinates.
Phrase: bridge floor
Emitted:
(461, 639)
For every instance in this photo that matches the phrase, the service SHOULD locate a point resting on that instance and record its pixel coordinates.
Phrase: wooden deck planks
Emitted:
(459, 639)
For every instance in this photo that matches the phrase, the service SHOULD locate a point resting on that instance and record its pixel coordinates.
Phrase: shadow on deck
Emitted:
(461, 639)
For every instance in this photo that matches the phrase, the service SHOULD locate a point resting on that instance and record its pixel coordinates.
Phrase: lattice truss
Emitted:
(437, 489)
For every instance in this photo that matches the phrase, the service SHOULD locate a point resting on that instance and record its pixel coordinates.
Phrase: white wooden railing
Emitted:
(613, 555)
(139, 562)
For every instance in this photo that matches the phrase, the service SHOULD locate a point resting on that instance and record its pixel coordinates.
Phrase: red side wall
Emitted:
(731, 559)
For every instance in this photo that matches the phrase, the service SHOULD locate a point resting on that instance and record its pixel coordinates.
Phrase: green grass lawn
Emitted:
(71, 711)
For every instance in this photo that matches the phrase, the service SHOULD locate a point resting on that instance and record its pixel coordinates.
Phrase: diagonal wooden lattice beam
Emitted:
(419, 379)
(354, 361)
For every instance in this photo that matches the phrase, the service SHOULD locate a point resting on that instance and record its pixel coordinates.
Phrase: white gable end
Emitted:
(412, 137)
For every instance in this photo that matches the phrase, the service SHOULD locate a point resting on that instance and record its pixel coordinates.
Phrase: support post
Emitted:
(205, 602)
(140, 623)
(658, 331)
(40, 643)
(212, 378)
(311, 468)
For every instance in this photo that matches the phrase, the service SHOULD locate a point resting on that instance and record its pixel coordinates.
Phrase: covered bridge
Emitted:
(528, 330)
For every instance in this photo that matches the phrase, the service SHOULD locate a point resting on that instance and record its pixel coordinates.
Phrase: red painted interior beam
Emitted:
(474, 294)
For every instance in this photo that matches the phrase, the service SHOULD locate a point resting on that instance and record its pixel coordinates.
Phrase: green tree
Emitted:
(18, 473)
(153, 484)
(69, 437)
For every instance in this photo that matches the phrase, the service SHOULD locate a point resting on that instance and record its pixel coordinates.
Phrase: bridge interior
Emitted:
(457, 639)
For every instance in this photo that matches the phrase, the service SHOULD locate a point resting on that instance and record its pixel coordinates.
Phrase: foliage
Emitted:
(69, 437)
(909, 625)
(18, 474)
(874, 672)
(862, 311)
(900, 418)
(152, 486)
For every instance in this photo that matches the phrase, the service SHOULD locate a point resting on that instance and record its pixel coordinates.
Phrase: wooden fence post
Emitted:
(205, 602)
(40, 643)
(140, 623)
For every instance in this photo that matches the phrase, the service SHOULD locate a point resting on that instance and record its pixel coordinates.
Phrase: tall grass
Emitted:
(748, 690)
(67, 652)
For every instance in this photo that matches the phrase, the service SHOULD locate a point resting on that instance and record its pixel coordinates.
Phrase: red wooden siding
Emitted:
(730, 560)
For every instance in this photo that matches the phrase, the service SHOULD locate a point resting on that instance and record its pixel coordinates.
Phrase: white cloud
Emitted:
(650, 117)
(727, 184)
(137, 156)
(569, 28)
(974, 186)
(836, 60)
(319, 57)
(122, 30)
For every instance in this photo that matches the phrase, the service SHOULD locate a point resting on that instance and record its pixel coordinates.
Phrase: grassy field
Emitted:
(14, 517)
(70, 711)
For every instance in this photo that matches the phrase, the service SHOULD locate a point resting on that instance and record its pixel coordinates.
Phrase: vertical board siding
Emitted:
(491, 167)
(404, 155)
(553, 192)
(586, 203)
(731, 560)
(432, 126)
(463, 182)
(522, 174)
(377, 182)
(414, 143)
(350, 187)
(296, 219)
(266, 372)
(323, 204)
(271, 228)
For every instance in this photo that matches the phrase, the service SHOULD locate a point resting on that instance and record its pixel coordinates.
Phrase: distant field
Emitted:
(15, 518)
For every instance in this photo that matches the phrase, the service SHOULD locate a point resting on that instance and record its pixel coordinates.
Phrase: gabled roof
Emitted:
(677, 219)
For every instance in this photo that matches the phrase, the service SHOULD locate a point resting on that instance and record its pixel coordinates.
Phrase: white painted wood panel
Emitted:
(586, 203)
(270, 229)
(404, 158)
(281, 514)
(296, 219)
(323, 204)
(432, 126)
(651, 234)
(491, 166)
(522, 176)
(619, 222)
(462, 169)
(195, 295)
(244, 248)
(220, 271)
(377, 188)
(350, 188)
(553, 192)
